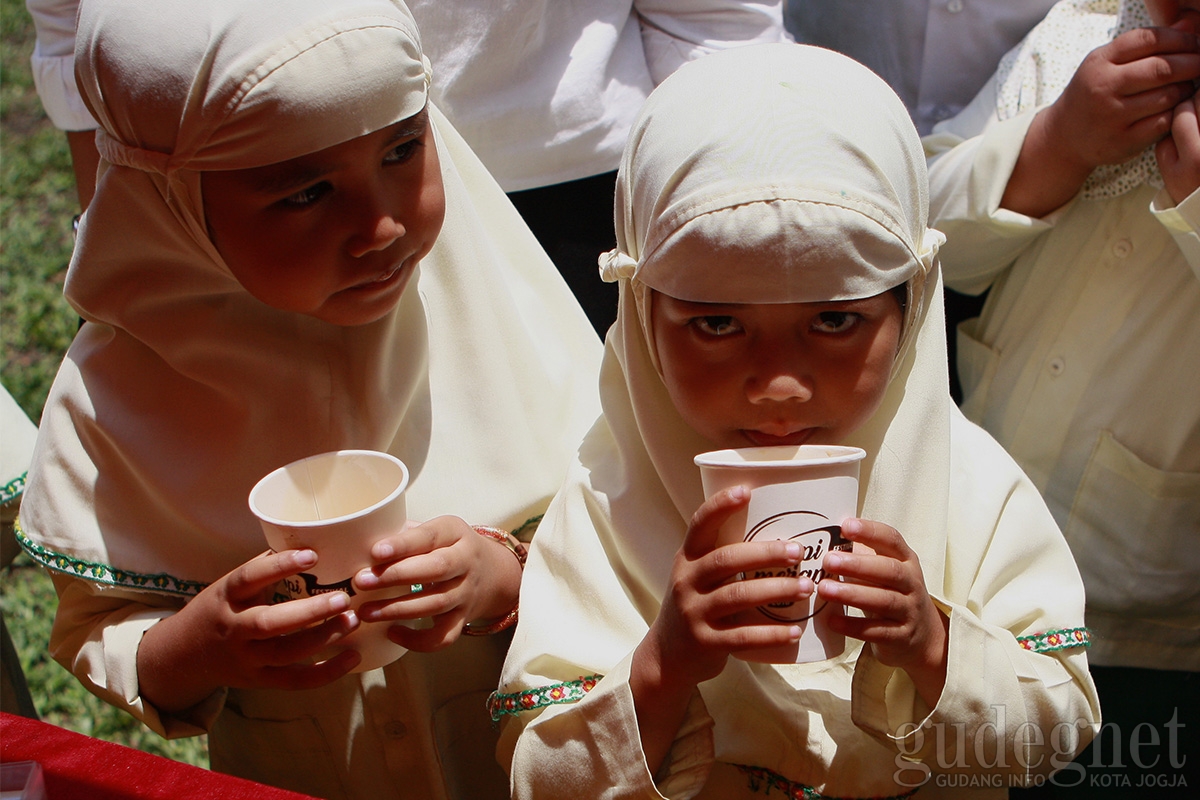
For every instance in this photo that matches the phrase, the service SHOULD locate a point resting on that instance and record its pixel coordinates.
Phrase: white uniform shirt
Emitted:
(1083, 365)
(545, 92)
(934, 53)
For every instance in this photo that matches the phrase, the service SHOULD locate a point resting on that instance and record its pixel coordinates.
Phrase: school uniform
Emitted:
(823, 200)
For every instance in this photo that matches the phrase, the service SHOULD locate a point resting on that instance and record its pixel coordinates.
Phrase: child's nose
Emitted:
(376, 234)
(779, 386)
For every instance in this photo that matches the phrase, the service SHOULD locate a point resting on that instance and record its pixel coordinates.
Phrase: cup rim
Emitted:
(316, 523)
(760, 457)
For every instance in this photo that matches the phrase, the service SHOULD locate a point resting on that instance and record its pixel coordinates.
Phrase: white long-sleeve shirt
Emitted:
(545, 91)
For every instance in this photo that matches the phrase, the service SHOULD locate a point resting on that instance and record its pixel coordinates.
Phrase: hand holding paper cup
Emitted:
(801, 494)
(337, 504)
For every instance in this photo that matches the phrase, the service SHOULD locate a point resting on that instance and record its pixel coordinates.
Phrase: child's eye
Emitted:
(835, 321)
(717, 326)
(402, 152)
(308, 195)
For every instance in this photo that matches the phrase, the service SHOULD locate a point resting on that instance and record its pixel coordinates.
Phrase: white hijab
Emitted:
(1035, 73)
(182, 390)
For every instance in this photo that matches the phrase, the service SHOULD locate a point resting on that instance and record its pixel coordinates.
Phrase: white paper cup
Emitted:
(801, 494)
(338, 504)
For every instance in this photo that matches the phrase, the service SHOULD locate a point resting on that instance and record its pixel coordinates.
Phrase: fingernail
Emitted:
(852, 526)
(367, 579)
(350, 619)
(338, 601)
(833, 560)
(794, 632)
(305, 558)
(739, 493)
(383, 551)
(793, 551)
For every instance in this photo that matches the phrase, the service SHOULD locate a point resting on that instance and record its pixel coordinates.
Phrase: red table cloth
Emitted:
(78, 767)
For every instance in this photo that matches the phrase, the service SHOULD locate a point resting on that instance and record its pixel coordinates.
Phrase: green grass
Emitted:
(37, 202)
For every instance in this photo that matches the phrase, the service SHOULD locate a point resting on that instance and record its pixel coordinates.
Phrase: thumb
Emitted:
(706, 523)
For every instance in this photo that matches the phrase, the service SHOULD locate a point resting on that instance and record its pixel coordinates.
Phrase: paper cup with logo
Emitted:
(801, 494)
(338, 504)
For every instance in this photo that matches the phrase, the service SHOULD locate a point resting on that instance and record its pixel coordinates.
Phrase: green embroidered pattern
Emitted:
(1061, 639)
(532, 699)
(766, 781)
(103, 573)
(16, 487)
(528, 528)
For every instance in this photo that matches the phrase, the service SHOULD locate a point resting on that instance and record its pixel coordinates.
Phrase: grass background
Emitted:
(37, 203)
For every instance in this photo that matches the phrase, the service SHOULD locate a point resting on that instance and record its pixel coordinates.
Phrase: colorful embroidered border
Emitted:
(13, 489)
(1062, 639)
(532, 699)
(766, 781)
(103, 573)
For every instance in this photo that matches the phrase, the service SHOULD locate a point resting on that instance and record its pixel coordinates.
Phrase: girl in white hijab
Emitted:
(779, 286)
(290, 252)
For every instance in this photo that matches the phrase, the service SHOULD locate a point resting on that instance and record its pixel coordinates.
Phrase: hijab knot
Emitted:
(615, 265)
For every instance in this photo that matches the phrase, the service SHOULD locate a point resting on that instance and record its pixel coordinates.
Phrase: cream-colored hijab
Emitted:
(748, 191)
(1036, 72)
(182, 390)
(774, 173)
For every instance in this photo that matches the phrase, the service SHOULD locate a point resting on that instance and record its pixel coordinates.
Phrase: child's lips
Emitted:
(761, 438)
(383, 279)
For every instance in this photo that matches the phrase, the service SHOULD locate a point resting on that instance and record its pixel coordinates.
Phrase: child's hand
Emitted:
(463, 577)
(1119, 102)
(229, 635)
(692, 636)
(902, 625)
(693, 633)
(1178, 155)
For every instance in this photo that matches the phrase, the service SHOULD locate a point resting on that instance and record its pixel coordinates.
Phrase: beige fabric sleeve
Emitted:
(95, 637)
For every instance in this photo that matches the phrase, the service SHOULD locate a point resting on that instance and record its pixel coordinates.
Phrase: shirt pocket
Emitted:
(1134, 532)
(289, 753)
(977, 365)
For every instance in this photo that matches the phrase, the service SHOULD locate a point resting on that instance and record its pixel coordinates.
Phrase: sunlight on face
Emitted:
(761, 374)
(334, 234)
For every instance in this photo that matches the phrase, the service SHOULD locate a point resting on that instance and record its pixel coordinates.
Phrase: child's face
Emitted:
(334, 234)
(1168, 12)
(764, 374)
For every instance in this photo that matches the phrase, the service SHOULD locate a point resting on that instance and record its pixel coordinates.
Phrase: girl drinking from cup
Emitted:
(779, 286)
(290, 252)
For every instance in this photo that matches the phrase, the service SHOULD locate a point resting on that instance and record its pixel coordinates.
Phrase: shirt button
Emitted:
(954, 6)
(1122, 248)
(395, 730)
(1056, 365)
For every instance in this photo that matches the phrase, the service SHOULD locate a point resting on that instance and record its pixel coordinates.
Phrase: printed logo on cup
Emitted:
(816, 536)
(799, 494)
